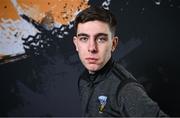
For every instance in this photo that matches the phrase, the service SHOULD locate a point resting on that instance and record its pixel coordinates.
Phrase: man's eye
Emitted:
(83, 39)
(101, 39)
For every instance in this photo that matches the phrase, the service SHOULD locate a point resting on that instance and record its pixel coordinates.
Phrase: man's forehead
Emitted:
(94, 25)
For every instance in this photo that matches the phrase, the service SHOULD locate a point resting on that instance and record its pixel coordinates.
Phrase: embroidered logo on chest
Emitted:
(102, 103)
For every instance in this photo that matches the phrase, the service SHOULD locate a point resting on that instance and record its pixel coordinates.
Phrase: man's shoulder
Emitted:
(120, 72)
(120, 75)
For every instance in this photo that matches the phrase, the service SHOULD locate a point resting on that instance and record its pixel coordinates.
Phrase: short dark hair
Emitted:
(96, 13)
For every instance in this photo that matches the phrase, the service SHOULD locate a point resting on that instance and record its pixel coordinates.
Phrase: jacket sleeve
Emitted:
(137, 103)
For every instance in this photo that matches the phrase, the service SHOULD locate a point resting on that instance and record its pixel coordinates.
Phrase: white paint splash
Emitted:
(157, 2)
(11, 34)
(106, 4)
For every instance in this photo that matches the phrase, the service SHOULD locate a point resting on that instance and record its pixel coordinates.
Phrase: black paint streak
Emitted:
(46, 40)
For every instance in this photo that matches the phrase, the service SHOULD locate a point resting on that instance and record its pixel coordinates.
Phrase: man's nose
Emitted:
(92, 47)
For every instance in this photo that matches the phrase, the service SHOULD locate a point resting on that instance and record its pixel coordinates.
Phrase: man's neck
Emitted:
(92, 72)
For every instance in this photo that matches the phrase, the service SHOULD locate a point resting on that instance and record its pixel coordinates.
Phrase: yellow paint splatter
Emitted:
(7, 10)
(63, 11)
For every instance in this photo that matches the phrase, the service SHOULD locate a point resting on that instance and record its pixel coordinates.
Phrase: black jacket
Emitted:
(113, 91)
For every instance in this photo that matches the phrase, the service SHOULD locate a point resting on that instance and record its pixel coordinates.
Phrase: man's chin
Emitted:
(93, 68)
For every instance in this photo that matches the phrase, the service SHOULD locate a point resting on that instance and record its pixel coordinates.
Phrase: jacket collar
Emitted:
(100, 75)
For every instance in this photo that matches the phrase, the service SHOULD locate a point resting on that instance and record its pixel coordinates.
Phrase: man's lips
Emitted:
(91, 59)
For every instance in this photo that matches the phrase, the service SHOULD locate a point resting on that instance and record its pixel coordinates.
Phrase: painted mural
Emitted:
(23, 23)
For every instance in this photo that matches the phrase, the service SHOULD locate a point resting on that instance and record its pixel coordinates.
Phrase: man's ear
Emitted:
(75, 42)
(114, 43)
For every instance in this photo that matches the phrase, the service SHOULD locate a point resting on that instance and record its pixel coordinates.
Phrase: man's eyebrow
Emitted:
(82, 34)
(101, 34)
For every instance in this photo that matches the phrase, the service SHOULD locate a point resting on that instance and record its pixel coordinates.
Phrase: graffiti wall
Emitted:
(39, 67)
(21, 22)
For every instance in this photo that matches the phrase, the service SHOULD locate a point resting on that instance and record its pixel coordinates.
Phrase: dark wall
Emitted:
(149, 47)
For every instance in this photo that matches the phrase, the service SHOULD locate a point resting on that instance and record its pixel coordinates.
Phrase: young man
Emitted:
(106, 88)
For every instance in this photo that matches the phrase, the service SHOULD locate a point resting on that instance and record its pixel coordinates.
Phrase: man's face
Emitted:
(94, 43)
